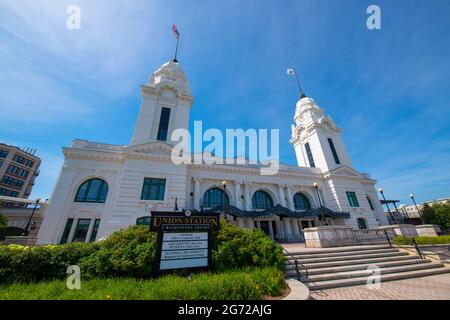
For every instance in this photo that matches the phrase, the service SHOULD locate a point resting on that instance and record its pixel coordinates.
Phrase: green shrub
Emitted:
(3, 222)
(243, 285)
(126, 253)
(22, 263)
(237, 248)
(130, 253)
(399, 240)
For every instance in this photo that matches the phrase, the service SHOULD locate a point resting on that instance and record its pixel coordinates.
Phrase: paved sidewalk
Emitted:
(425, 288)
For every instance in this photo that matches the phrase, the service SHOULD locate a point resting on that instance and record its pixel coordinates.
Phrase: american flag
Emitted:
(175, 31)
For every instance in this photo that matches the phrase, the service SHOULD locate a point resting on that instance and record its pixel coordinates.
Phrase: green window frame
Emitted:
(362, 225)
(153, 189)
(301, 202)
(143, 221)
(352, 200)
(66, 232)
(262, 200)
(81, 230)
(310, 156)
(370, 203)
(215, 197)
(94, 230)
(333, 151)
(93, 190)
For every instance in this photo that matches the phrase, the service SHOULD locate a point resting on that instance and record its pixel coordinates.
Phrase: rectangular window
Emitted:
(310, 156)
(15, 183)
(153, 189)
(3, 153)
(81, 230)
(66, 231)
(333, 150)
(352, 200)
(1, 163)
(163, 124)
(22, 160)
(94, 230)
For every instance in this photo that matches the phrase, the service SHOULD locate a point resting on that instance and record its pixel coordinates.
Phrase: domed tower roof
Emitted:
(170, 73)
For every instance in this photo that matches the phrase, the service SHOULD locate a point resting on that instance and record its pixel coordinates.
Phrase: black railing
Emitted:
(419, 252)
(297, 266)
(373, 235)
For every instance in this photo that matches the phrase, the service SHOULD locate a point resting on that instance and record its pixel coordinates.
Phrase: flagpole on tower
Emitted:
(292, 72)
(177, 35)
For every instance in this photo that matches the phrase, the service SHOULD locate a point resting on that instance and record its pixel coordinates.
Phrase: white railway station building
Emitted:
(102, 188)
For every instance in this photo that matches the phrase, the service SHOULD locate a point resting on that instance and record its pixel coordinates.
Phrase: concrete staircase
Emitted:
(343, 267)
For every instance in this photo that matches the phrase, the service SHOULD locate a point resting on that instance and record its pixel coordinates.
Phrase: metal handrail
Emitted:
(419, 252)
(295, 265)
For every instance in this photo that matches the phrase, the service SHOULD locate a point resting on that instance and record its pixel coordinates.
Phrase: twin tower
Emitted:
(166, 104)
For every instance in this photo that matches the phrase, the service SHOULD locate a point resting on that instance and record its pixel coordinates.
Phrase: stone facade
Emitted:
(124, 168)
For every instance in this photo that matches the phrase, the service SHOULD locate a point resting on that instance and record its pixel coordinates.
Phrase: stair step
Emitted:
(341, 249)
(363, 273)
(353, 267)
(352, 257)
(321, 285)
(301, 257)
(311, 266)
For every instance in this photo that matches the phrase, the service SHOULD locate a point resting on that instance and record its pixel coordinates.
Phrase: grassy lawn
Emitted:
(239, 285)
(422, 240)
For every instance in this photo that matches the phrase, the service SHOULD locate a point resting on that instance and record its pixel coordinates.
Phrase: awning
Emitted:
(278, 210)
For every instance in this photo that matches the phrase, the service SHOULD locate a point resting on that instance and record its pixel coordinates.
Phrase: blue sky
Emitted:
(387, 89)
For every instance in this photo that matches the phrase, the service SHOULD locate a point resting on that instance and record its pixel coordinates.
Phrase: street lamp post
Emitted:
(415, 204)
(389, 209)
(26, 232)
(316, 186)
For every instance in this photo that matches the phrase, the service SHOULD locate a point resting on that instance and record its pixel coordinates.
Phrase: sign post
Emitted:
(184, 240)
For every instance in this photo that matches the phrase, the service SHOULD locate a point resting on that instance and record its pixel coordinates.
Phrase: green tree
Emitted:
(3, 222)
(437, 213)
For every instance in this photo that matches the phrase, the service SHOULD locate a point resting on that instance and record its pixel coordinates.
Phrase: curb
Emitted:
(298, 290)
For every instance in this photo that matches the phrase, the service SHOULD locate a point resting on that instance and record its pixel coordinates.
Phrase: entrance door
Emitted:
(265, 227)
(305, 224)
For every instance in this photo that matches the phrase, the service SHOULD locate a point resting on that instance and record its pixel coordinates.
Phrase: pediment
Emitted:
(345, 171)
(157, 148)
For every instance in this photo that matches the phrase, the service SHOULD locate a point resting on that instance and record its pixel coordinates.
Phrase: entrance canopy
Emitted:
(280, 211)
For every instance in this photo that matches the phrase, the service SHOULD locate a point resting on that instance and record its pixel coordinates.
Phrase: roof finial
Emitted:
(177, 35)
(292, 72)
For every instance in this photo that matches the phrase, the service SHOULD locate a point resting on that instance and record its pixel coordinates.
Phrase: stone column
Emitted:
(250, 223)
(272, 235)
(197, 194)
(295, 229)
(290, 199)
(280, 229)
(248, 201)
(287, 229)
(281, 195)
(237, 194)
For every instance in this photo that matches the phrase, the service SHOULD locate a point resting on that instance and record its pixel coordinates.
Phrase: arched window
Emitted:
(143, 221)
(93, 190)
(301, 202)
(370, 203)
(261, 200)
(215, 197)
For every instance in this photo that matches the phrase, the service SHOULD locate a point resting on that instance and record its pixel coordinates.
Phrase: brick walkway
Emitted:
(426, 288)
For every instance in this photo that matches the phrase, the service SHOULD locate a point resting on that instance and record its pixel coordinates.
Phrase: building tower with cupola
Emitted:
(316, 138)
(165, 106)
